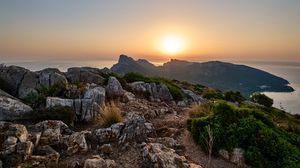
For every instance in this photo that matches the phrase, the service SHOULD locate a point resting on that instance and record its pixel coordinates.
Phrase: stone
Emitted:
(114, 88)
(25, 149)
(13, 109)
(44, 156)
(224, 154)
(85, 75)
(28, 85)
(237, 156)
(128, 97)
(164, 93)
(111, 134)
(58, 102)
(136, 128)
(106, 149)
(97, 162)
(192, 96)
(19, 131)
(163, 157)
(96, 94)
(51, 76)
(76, 143)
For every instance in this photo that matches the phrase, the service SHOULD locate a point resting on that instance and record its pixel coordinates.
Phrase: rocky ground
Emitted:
(152, 133)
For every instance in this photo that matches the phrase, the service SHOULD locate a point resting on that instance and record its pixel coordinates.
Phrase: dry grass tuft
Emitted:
(111, 114)
(200, 110)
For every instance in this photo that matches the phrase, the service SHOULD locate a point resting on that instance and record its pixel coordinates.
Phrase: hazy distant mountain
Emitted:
(216, 74)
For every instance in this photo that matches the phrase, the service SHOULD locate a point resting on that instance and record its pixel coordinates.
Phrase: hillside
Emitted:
(215, 74)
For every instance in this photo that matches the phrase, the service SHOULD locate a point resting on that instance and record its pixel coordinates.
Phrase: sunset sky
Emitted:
(154, 29)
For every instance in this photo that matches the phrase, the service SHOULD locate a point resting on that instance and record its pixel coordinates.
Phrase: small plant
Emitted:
(200, 110)
(262, 99)
(110, 115)
(212, 94)
(234, 96)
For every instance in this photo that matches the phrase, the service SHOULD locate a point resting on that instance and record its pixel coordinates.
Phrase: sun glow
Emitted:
(172, 45)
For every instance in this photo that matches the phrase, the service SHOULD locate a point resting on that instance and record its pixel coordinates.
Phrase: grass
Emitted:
(111, 114)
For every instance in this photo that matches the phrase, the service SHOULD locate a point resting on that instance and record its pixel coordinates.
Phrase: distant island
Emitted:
(216, 74)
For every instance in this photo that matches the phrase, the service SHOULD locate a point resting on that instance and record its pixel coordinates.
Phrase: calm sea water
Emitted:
(290, 71)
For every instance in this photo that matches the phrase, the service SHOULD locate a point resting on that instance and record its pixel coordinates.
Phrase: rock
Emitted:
(106, 149)
(85, 75)
(192, 96)
(136, 128)
(43, 156)
(167, 141)
(97, 162)
(152, 90)
(237, 156)
(13, 76)
(76, 143)
(128, 97)
(111, 134)
(25, 149)
(164, 93)
(114, 88)
(9, 145)
(51, 131)
(224, 154)
(97, 95)
(28, 85)
(182, 103)
(58, 102)
(51, 76)
(19, 131)
(12, 109)
(163, 157)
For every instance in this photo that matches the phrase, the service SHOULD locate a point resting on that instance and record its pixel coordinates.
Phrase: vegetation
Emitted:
(212, 94)
(233, 96)
(262, 99)
(110, 115)
(65, 114)
(174, 89)
(36, 100)
(250, 128)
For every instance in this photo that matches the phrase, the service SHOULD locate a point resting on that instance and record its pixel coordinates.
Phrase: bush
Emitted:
(110, 115)
(200, 110)
(234, 96)
(265, 144)
(262, 99)
(212, 94)
(65, 114)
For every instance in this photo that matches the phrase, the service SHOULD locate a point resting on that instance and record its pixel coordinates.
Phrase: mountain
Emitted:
(220, 75)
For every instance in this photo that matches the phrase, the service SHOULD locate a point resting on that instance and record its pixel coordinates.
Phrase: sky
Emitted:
(267, 30)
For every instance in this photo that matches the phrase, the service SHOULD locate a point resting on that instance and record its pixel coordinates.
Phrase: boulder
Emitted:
(111, 134)
(152, 90)
(43, 156)
(51, 76)
(28, 85)
(114, 88)
(192, 96)
(76, 143)
(11, 108)
(97, 162)
(85, 75)
(162, 157)
(56, 102)
(13, 76)
(136, 129)
(97, 95)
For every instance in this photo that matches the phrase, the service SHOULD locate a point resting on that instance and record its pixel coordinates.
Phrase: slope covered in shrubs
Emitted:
(247, 127)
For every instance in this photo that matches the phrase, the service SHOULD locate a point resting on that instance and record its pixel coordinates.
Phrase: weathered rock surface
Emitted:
(114, 88)
(97, 95)
(152, 90)
(97, 162)
(163, 157)
(192, 96)
(76, 143)
(85, 74)
(11, 108)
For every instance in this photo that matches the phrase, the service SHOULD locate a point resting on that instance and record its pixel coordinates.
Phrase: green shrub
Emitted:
(262, 99)
(212, 94)
(265, 144)
(64, 114)
(234, 96)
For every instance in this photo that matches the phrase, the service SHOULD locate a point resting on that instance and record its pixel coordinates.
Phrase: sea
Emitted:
(290, 102)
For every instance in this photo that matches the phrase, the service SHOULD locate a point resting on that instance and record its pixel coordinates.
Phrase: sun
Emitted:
(172, 45)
